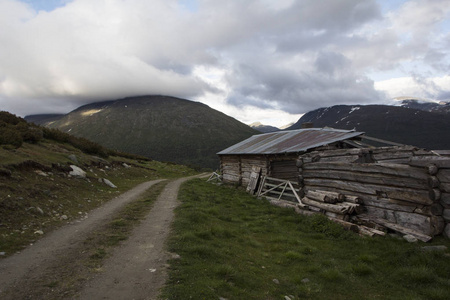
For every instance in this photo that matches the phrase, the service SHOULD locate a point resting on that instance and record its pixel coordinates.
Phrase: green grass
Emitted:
(235, 246)
(30, 202)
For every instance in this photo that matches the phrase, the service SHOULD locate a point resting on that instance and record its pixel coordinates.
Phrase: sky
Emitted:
(255, 60)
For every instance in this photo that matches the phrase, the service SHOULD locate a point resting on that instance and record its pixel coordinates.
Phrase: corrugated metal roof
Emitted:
(291, 141)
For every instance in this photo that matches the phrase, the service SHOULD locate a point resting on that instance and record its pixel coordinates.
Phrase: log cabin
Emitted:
(274, 154)
(403, 188)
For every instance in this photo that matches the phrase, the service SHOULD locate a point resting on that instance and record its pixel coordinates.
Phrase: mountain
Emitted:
(398, 124)
(426, 105)
(263, 128)
(160, 127)
(43, 119)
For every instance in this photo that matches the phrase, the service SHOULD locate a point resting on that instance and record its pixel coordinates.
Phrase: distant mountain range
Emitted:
(426, 105)
(171, 129)
(160, 127)
(263, 128)
(421, 128)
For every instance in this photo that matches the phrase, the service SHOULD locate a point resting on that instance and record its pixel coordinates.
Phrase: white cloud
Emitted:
(428, 88)
(242, 57)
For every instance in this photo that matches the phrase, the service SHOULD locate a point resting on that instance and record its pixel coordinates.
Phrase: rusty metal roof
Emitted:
(291, 141)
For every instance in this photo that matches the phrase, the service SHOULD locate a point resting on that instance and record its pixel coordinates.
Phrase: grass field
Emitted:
(234, 246)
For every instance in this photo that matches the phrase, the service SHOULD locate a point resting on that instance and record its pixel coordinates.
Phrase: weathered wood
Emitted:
(368, 178)
(432, 169)
(424, 161)
(335, 208)
(355, 208)
(323, 196)
(401, 229)
(332, 153)
(410, 195)
(364, 230)
(445, 199)
(437, 223)
(433, 182)
(420, 223)
(446, 215)
(366, 196)
(385, 169)
(333, 215)
(300, 211)
(436, 209)
(392, 155)
(444, 175)
(434, 194)
(283, 203)
(353, 199)
(389, 204)
(254, 177)
(347, 159)
(445, 187)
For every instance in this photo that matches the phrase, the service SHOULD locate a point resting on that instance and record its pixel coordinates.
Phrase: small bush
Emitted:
(32, 135)
(10, 136)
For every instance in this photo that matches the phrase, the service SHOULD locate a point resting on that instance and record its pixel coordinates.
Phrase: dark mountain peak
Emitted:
(160, 127)
(398, 124)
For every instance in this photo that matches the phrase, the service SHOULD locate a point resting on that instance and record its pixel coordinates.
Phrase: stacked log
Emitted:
(337, 207)
(412, 193)
(438, 169)
(332, 204)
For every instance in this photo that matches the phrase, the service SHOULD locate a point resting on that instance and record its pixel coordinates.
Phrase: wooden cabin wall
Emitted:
(401, 185)
(284, 168)
(236, 169)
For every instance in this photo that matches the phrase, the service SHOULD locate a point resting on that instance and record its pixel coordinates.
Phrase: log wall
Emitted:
(236, 169)
(403, 186)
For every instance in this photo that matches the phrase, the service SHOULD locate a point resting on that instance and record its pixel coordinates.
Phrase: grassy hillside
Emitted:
(398, 124)
(162, 128)
(37, 193)
(231, 245)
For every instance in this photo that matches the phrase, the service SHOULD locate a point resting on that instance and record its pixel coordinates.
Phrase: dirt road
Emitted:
(136, 270)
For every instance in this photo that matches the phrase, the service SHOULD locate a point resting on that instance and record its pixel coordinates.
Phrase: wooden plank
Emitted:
(367, 178)
(424, 161)
(401, 229)
(335, 208)
(376, 168)
(410, 195)
(444, 175)
(254, 177)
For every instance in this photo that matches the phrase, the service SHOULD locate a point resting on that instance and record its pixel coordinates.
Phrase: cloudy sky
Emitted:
(256, 60)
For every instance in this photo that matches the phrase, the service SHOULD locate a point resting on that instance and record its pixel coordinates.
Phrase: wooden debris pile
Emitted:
(339, 208)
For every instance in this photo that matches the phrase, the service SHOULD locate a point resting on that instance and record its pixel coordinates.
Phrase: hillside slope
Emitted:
(398, 124)
(160, 127)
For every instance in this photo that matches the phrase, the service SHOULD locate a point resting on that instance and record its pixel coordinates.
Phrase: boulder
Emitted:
(109, 183)
(77, 172)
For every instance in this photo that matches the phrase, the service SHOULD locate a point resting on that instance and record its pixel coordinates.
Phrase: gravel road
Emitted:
(135, 270)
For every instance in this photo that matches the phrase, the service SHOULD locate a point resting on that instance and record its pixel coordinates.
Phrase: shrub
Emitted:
(10, 136)
(9, 118)
(32, 135)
